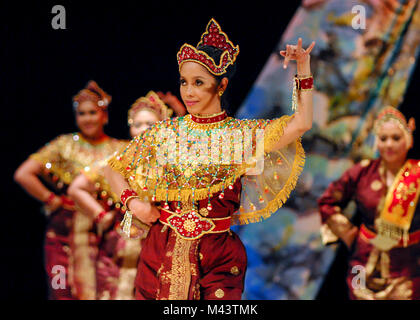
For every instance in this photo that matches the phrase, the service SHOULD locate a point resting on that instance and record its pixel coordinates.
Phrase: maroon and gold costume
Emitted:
(118, 255)
(117, 263)
(205, 173)
(388, 242)
(62, 160)
(191, 252)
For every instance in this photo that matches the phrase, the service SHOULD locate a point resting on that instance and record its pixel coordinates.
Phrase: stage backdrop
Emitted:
(359, 66)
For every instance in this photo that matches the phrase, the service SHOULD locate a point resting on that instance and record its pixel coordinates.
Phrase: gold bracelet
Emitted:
(128, 199)
(303, 76)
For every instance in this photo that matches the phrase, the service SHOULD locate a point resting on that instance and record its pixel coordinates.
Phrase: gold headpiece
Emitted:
(215, 37)
(150, 102)
(390, 113)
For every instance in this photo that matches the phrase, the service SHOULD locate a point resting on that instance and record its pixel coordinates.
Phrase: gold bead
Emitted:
(219, 293)
(234, 270)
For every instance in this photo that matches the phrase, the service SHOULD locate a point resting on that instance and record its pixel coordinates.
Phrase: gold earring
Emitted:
(220, 93)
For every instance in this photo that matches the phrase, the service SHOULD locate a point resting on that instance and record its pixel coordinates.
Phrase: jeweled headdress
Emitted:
(150, 102)
(215, 37)
(391, 114)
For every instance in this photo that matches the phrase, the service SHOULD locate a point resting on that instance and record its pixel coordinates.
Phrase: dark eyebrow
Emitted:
(194, 78)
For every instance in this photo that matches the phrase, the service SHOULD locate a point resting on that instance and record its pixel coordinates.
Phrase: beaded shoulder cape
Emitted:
(181, 160)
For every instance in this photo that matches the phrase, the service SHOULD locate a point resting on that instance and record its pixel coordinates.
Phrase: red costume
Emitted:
(118, 255)
(63, 159)
(364, 183)
(191, 253)
(201, 186)
(69, 242)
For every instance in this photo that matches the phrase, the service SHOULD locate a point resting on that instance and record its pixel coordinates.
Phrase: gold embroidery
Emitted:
(187, 206)
(189, 225)
(397, 210)
(365, 162)
(234, 270)
(128, 270)
(68, 154)
(193, 269)
(180, 274)
(219, 293)
(165, 277)
(159, 270)
(197, 292)
(379, 284)
(139, 164)
(204, 212)
(392, 289)
(376, 185)
(404, 191)
(84, 273)
(400, 214)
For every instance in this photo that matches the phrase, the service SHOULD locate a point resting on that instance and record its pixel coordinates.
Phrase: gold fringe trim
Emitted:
(281, 197)
(173, 195)
(275, 131)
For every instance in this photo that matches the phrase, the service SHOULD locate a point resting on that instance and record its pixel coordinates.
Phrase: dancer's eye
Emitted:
(396, 138)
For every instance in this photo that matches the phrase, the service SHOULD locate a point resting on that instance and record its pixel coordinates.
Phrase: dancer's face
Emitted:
(199, 89)
(392, 143)
(142, 120)
(91, 119)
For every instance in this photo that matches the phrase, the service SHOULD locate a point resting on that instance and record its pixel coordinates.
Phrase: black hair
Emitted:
(215, 54)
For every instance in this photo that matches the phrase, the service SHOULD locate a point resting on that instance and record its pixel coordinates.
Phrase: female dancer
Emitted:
(46, 175)
(118, 256)
(385, 247)
(167, 173)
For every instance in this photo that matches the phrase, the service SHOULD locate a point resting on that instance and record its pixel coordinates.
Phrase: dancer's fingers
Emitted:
(299, 45)
(309, 49)
(287, 58)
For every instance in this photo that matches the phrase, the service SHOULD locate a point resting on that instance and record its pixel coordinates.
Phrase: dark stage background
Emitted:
(129, 48)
